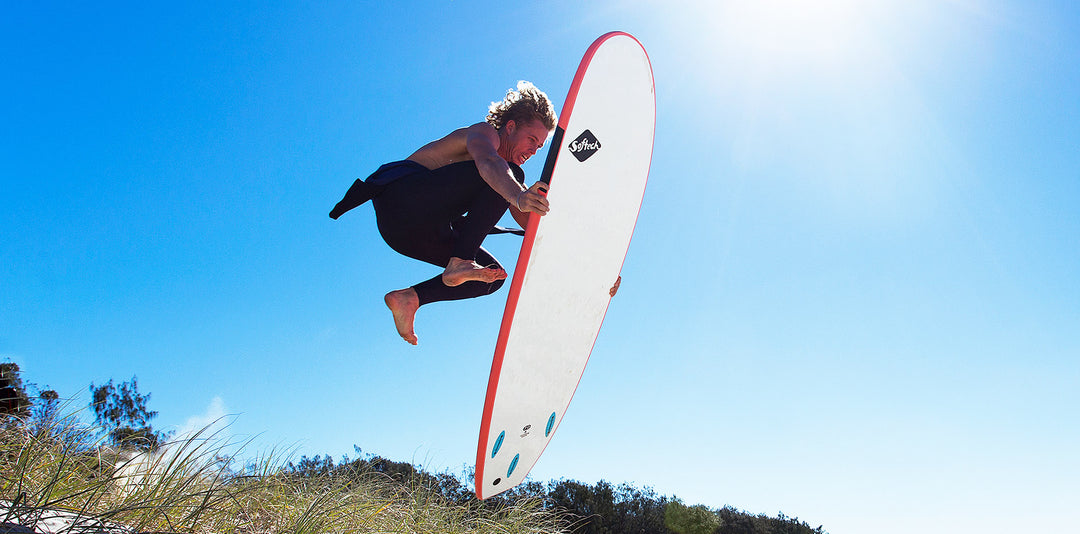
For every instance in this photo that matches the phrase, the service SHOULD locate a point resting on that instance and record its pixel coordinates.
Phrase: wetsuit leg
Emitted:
(414, 215)
(484, 211)
(434, 290)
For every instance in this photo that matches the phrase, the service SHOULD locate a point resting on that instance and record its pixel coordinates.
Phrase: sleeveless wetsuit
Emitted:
(433, 215)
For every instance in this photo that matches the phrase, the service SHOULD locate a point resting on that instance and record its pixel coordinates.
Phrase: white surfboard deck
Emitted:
(597, 167)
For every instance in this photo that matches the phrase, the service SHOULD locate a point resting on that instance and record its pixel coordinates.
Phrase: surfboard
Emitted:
(596, 170)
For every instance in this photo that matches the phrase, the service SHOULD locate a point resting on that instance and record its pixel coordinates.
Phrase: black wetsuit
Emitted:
(433, 215)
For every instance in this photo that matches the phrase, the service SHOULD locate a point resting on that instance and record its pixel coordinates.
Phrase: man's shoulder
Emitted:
(482, 128)
(454, 146)
(462, 135)
(483, 133)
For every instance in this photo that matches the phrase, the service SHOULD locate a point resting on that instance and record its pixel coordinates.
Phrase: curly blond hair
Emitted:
(525, 104)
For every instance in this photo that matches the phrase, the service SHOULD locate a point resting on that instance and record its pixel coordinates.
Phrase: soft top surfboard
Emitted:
(596, 168)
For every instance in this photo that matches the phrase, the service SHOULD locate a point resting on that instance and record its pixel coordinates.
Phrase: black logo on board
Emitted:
(584, 146)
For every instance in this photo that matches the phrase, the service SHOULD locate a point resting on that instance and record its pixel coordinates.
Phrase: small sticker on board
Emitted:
(584, 146)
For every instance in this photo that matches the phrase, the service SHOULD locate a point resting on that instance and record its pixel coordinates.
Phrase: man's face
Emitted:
(522, 141)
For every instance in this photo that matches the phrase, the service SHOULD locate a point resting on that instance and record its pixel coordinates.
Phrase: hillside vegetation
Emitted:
(120, 475)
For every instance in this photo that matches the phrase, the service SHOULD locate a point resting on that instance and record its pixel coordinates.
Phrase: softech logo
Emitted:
(584, 146)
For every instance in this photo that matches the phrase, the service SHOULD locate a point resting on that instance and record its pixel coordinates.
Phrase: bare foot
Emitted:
(403, 303)
(459, 271)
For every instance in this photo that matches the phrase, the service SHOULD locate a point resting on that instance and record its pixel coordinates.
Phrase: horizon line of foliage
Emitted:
(118, 409)
(122, 413)
(601, 508)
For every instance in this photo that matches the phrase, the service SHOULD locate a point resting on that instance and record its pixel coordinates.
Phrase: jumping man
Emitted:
(438, 204)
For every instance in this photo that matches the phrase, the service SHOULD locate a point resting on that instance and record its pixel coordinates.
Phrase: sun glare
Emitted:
(784, 33)
(822, 96)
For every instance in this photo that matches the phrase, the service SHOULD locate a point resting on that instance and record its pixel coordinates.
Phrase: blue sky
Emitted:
(853, 295)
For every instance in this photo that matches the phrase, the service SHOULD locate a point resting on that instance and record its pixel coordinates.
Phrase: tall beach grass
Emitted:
(61, 474)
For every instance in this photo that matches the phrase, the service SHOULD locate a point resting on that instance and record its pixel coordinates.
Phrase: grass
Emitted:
(191, 486)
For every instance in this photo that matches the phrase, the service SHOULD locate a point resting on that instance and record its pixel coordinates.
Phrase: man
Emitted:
(439, 203)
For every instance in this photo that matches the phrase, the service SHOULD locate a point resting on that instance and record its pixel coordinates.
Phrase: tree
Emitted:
(122, 411)
(591, 504)
(734, 521)
(696, 519)
(48, 406)
(638, 511)
(13, 399)
(45, 418)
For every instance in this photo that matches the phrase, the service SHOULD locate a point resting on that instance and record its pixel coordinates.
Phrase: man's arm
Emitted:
(521, 217)
(482, 143)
